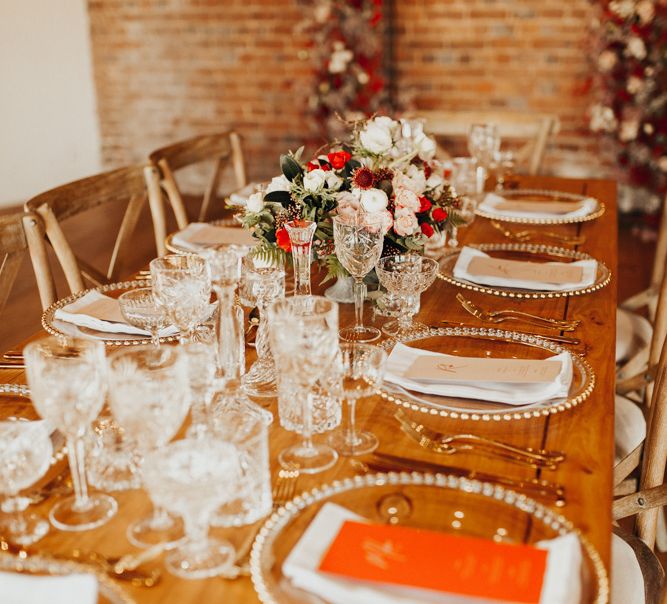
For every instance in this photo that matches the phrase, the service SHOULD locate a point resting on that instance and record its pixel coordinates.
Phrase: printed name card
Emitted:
(434, 561)
(105, 309)
(474, 369)
(531, 205)
(214, 235)
(525, 271)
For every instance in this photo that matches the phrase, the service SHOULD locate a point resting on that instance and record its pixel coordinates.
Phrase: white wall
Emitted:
(48, 123)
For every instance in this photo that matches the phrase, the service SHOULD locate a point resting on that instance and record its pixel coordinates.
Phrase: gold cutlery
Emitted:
(12, 365)
(450, 444)
(544, 336)
(529, 235)
(284, 486)
(499, 316)
(533, 487)
(13, 355)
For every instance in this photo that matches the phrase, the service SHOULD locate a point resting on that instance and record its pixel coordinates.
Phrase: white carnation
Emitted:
(373, 200)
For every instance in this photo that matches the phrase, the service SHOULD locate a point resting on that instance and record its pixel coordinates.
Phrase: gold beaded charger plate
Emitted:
(546, 196)
(495, 344)
(64, 329)
(526, 252)
(438, 502)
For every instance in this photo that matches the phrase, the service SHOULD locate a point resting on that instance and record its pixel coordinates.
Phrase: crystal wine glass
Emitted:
(483, 143)
(191, 478)
(358, 242)
(141, 309)
(304, 342)
(363, 372)
(67, 379)
(407, 276)
(182, 285)
(201, 366)
(25, 456)
(149, 396)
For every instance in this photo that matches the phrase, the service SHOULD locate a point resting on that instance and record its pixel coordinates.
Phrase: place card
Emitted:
(434, 561)
(103, 308)
(541, 272)
(214, 235)
(530, 205)
(437, 368)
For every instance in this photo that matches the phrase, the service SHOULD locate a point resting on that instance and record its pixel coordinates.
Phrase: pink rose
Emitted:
(405, 222)
(348, 204)
(405, 198)
(388, 221)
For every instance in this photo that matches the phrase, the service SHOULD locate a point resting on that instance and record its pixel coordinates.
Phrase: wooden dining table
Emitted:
(584, 433)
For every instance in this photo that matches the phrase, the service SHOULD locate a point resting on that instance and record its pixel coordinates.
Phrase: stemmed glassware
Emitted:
(191, 478)
(149, 396)
(358, 241)
(25, 456)
(468, 186)
(260, 380)
(182, 285)
(363, 368)
(141, 309)
(483, 143)
(304, 342)
(301, 239)
(201, 365)
(67, 379)
(407, 276)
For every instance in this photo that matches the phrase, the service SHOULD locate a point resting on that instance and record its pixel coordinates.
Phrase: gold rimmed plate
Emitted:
(528, 253)
(546, 196)
(437, 502)
(496, 344)
(60, 328)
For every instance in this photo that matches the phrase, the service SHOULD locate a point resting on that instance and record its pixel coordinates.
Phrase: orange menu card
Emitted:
(441, 562)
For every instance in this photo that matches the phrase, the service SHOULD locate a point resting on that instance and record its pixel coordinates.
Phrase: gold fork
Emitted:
(450, 444)
(285, 486)
(529, 235)
(499, 316)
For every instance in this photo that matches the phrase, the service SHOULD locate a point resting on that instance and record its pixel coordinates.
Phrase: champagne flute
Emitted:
(358, 242)
(67, 379)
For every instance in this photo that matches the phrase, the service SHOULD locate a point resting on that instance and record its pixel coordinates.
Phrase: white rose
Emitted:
(376, 136)
(333, 180)
(628, 130)
(645, 10)
(314, 180)
(405, 222)
(417, 179)
(607, 60)
(373, 200)
(635, 84)
(279, 183)
(255, 202)
(636, 48)
(425, 147)
(405, 198)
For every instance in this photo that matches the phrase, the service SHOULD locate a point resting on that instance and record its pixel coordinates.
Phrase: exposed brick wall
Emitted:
(167, 69)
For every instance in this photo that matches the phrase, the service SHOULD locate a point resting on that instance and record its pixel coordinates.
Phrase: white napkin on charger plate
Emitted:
(198, 236)
(589, 274)
(239, 198)
(17, 588)
(492, 201)
(562, 581)
(72, 313)
(402, 357)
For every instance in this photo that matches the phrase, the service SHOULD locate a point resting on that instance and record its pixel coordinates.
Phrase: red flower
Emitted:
(282, 239)
(425, 204)
(363, 178)
(427, 229)
(338, 159)
(427, 170)
(439, 215)
(312, 165)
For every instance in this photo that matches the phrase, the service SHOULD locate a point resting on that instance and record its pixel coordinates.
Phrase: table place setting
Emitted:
(198, 236)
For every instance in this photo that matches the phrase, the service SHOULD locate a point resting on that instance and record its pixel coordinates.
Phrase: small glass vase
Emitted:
(301, 238)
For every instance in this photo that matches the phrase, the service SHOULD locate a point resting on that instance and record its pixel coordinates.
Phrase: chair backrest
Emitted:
(12, 247)
(223, 148)
(533, 130)
(46, 211)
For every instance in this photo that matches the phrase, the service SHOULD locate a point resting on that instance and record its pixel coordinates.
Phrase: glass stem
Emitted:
(351, 426)
(453, 241)
(196, 530)
(228, 338)
(155, 337)
(405, 316)
(301, 261)
(262, 339)
(77, 465)
(359, 290)
(160, 520)
(307, 433)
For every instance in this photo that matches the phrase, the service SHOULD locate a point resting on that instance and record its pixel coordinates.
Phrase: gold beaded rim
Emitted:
(603, 278)
(599, 211)
(48, 316)
(526, 412)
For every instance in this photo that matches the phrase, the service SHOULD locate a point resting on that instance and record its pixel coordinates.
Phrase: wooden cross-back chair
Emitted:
(224, 148)
(13, 246)
(45, 212)
(531, 131)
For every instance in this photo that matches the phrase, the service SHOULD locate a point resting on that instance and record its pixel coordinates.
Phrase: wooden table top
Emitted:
(585, 433)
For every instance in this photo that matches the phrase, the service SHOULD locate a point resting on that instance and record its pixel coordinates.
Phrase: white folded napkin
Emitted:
(562, 582)
(509, 393)
(240, 197)
(492, 204)
(200, 235)
(17, 588)
(102, 313)
(589, 274)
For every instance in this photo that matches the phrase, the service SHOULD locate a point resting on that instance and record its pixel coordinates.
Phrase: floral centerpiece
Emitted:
(386, 166)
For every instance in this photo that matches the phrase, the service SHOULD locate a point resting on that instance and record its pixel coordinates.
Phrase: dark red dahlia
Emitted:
(363, 178)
